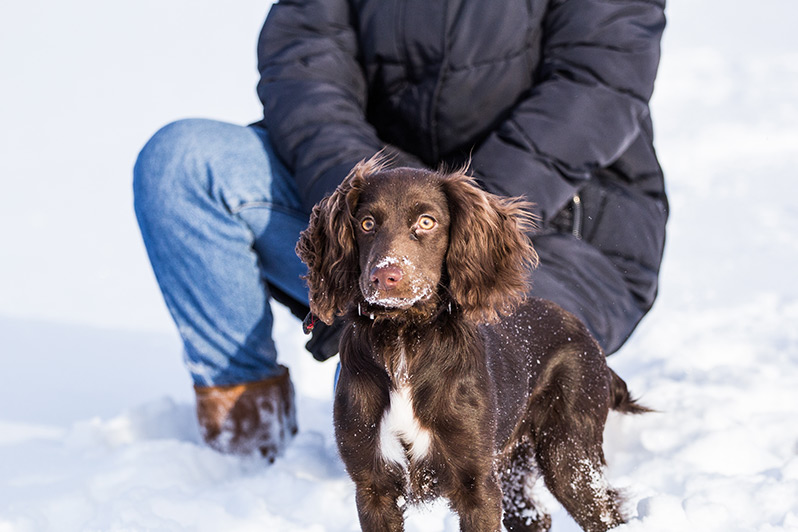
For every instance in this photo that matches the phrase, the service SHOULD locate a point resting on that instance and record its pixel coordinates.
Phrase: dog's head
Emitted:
(406, 239)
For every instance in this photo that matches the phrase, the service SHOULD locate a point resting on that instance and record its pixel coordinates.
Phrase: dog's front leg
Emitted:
(361, 398)
(470, 481)
(378, 503)
(465, 445)
(378, 484)
(478, 503)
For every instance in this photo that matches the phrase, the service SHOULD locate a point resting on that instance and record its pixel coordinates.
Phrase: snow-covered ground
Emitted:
(97, 430)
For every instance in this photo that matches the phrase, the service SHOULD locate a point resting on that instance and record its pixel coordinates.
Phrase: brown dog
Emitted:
(453, 383)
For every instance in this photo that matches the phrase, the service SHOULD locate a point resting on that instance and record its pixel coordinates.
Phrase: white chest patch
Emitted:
(401, 435)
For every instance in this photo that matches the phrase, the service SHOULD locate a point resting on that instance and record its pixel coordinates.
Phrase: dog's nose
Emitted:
(386, 277)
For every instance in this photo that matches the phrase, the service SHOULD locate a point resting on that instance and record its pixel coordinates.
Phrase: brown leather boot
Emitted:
(246, 418)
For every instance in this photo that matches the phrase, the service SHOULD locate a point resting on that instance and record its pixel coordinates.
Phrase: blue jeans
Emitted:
(220, 217)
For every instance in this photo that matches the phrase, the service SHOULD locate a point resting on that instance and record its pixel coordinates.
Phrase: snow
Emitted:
(97, 428)
(418, 287)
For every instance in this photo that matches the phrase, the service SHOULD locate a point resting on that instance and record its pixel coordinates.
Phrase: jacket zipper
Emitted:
(576, 229)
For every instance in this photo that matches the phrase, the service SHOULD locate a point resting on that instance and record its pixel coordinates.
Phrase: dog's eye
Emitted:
(367, 224)
(426, 222)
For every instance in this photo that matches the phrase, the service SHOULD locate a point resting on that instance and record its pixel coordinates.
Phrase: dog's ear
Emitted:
(490, 256)
(329, 249)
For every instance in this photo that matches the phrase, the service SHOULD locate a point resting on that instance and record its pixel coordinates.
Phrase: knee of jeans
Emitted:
(170, 165)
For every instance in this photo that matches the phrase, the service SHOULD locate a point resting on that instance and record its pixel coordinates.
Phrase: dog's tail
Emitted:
(620, 398)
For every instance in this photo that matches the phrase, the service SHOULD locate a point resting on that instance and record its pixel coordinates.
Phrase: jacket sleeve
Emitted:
(599, 62)
(313, 92)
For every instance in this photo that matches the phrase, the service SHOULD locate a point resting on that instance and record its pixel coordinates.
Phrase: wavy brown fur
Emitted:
(328, 249)
(490, 255)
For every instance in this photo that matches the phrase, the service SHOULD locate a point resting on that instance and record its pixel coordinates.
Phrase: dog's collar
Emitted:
(371, 312)
(360, 312)
(310, 321)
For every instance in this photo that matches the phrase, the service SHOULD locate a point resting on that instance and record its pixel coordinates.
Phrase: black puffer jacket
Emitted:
(547, 97)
